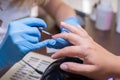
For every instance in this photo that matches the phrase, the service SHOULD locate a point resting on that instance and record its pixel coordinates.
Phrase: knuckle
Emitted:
(86, 36)
(88, 47)
(66, 34)
(88, 71)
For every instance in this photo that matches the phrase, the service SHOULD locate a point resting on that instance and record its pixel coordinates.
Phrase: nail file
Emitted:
(45, 32)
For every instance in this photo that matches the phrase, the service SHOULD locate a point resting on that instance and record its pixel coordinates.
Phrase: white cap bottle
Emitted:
(104, 15)
(118, 18)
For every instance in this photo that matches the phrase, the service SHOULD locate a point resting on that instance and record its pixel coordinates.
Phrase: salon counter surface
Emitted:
(108, 39)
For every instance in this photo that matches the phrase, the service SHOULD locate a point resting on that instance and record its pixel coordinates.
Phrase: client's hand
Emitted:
(98, 63)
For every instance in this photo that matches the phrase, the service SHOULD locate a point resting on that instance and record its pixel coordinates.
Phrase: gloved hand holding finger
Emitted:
(22, 37)
(60, 42)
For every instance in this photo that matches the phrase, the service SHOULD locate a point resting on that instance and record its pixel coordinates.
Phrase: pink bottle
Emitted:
(118, 18)
(104, 15)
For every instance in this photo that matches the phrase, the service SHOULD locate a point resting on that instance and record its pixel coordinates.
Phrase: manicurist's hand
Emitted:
(22, 37)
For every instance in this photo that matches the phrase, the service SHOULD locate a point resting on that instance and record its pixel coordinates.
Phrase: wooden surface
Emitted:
(108, 39)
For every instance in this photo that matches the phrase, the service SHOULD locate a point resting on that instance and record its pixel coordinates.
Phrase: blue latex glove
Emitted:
(22, 37)
(59, 42)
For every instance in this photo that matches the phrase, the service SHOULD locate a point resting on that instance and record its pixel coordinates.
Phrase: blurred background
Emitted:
(87, 5)
(100, 11)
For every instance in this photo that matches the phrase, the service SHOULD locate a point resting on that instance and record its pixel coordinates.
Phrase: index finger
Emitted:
(77, 30)
(71, 37)
(70, 52)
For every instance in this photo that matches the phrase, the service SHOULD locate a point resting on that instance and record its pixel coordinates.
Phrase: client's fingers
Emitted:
(71, 37)
(70, 52)
(71, 28)
(77, 30)
(77, 68)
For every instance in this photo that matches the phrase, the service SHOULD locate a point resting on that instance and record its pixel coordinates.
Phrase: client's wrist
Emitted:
(116, 67)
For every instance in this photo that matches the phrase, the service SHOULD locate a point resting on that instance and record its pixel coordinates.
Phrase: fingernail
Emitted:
(64, 66)
(53, 37)
(53, 56)
(63, 23)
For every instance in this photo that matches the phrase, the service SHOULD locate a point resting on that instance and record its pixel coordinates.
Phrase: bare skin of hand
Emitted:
(99, 64)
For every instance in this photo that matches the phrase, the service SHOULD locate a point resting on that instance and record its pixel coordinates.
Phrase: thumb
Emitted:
(76, 68)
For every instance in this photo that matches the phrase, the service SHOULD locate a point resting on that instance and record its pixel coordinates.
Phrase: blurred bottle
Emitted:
(118, 18)
(104, 15)
(93, 14)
